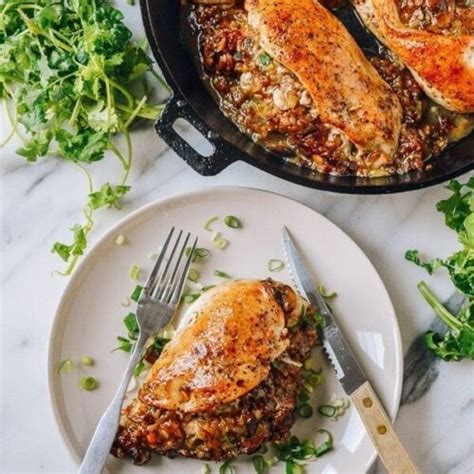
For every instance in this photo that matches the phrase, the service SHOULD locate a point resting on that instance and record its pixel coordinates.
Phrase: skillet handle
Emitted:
(221, 156)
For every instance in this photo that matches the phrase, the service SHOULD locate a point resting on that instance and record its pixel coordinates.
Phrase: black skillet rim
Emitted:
(180, 106)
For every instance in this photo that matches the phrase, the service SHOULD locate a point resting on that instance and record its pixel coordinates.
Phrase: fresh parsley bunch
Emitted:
(458, 210)
(73, 78)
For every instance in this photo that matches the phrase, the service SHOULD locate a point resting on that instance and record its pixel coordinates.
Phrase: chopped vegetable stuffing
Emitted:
(73, 79)
(458, 342)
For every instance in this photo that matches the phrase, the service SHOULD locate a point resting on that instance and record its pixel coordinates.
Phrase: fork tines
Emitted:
(167, 278)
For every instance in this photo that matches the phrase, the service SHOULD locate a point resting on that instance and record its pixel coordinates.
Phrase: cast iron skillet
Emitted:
(192, 101)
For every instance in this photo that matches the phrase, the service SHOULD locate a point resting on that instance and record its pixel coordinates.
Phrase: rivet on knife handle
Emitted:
(381, 432)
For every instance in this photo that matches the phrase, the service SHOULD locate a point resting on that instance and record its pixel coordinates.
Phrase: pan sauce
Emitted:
(268, 103)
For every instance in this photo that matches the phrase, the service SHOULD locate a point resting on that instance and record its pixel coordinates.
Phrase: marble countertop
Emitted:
(41, 201)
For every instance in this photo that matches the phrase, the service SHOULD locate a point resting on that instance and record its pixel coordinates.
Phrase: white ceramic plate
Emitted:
(90, 314)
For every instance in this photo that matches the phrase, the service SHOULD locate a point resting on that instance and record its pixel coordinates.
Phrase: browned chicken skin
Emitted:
(228, 381)
(443, 64)
(347, 90)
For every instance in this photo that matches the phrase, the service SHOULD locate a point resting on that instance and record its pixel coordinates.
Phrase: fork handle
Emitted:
(104, 435)
(381, 432)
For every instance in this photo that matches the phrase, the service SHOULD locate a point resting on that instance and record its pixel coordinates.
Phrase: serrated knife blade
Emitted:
(347, 369)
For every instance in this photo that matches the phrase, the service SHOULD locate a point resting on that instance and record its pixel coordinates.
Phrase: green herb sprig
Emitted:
(458, 210)
(71, 76)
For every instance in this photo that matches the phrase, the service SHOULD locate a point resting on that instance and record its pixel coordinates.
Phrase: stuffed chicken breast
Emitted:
(228, 381)
(291, 77)
(438, 48)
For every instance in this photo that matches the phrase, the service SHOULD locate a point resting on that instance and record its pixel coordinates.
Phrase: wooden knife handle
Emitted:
(381, 432)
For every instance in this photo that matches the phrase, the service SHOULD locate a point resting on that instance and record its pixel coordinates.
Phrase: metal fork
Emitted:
(157, 304)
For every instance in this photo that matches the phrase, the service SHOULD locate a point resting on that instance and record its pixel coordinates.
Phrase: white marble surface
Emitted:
(38, 204)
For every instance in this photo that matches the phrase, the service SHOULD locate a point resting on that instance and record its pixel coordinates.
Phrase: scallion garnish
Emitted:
(135, 272)
(87, 361)
(88, 383)
(126, 303)
(219, 241)
(190, 297)
(205, 469)
(139, 368)
(259, 464)
(305, 410)
(327, 410)
(130, 322)
(65, 366)
(334, 410)
(208, 287)
(328, 296)
(275, 265)
(193, 275)
(232, 222)
(135, 296)
(326, 446)
(314, 378)
(220, 274)
(207, 224)
(226, 467)
(308, 364)
(120, 239)
(264, 59)
(198, 253)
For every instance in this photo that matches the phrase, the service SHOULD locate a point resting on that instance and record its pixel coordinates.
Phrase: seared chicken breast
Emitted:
(443, 64)
(229, 379)
(347, 90)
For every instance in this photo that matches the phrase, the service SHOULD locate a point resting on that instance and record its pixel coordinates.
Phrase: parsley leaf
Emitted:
(74, 79)
(458, 210)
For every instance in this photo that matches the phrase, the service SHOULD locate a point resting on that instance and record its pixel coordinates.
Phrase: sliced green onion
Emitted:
(208, 223)
(135, 296)
(314, 378)
(120, 239)
(327, 410)
(135, 272)
(126, 303)
(308, 448)
(191, 297)
(263, 449)
(86, 360)
(139, 368)
(88, 383)
(226, 467)
(325, 294)
(303, 396)
(326, 446)
(219, 241)
(264, 59)
(198, 253)
(65, 366)
(193, 275)
(205, 469)
(259, 464)
(275, 265)
(308, 363)
(208, 287)
(305, 410)
(220, 274)
(292, 468)
(232, 222)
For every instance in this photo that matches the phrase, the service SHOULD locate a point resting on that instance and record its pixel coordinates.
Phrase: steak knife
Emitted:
(349, 372)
